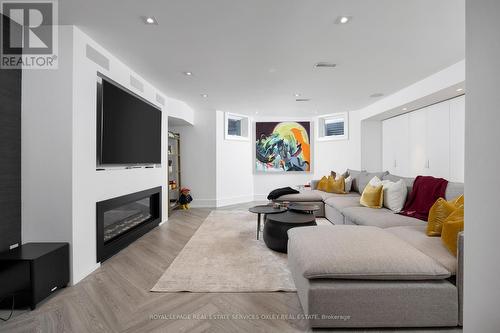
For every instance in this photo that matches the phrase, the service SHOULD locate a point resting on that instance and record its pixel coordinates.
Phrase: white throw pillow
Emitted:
(375, 181)
(395, 195)
(348, 184)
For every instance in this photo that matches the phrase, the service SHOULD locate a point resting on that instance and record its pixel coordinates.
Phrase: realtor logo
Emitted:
(29, 34)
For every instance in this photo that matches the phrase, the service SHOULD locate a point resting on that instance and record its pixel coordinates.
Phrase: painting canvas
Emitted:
(283, 146)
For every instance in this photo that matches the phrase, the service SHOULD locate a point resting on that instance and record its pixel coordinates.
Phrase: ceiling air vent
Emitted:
(325, 65)
(302, 100)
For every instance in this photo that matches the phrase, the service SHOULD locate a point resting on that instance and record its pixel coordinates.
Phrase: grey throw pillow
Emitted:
(355, 174)
(365, 178)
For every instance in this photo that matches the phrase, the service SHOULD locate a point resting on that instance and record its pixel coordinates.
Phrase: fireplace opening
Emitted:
(122, 220)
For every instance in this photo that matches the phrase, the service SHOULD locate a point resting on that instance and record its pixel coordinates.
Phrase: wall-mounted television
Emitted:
(128, 127)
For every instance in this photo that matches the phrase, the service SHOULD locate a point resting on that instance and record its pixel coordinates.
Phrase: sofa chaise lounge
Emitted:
(337, 271)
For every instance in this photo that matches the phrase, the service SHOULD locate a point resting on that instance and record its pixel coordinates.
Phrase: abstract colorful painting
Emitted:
(282, 146)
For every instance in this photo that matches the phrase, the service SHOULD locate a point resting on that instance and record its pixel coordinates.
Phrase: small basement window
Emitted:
(236, 126)
(333, 126)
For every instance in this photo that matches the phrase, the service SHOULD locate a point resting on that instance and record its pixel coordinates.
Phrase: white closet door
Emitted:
(418, 143)
(395, 145)
(438, 140)
(388, 149)
(457, 139)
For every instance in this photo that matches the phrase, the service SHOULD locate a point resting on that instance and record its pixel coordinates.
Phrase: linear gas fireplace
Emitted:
(122, 220)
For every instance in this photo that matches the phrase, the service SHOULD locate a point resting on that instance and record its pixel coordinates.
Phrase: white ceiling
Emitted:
(253, 55)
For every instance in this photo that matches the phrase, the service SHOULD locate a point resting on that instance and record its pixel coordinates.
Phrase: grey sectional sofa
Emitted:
(335, 276)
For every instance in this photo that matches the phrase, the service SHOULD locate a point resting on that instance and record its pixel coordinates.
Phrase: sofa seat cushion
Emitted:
(431, 246)
(303, 196)
(382, 218)
(359, 253)
(340, 203)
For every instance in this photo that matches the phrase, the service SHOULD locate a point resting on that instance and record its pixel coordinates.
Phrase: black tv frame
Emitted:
(99, 106)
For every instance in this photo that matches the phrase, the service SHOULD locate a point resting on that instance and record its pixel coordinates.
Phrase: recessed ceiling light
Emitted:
(343, 19)
(375, 95)
(297, 95)
(256, 112)
(188, 73)
(204, 95)
(460, 89)
(151, 20)
(404, 109)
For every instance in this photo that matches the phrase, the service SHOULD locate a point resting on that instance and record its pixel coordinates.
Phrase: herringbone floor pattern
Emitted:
(116, 297)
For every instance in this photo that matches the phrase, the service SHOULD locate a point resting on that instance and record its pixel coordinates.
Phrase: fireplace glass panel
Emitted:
(121, 219)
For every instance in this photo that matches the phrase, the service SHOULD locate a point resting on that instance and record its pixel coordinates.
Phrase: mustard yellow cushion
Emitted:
(452, 226)
(323, 182)
(373, 196)
(336, 185)
(439, 212)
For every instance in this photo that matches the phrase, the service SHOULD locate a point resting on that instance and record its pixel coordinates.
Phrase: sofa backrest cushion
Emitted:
(355, 174)
(393, 178)
(453, 190)
(364, 179)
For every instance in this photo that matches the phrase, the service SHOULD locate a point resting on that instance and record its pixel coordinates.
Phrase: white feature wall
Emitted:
(429, 141)
(91, 186)
(60, 183)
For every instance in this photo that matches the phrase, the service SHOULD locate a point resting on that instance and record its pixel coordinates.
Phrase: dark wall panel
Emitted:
(10, 158)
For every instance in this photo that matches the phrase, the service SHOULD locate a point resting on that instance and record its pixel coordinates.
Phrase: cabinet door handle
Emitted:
(395, 163)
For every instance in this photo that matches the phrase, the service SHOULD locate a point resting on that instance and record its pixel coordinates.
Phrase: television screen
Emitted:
(130, 128)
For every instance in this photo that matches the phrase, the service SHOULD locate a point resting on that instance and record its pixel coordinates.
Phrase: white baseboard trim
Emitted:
(203, 203)
(234, 200)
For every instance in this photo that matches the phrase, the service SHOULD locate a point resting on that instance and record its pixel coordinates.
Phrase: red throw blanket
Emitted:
(426, 190)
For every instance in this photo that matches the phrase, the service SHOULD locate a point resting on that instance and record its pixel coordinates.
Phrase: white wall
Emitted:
(424, 91)
(46, 146)
(482, 179)
(326, 156)
(198, 157)
(89, 185)
(60, 183)
(180, 109)
(234, 167)
(371, 145)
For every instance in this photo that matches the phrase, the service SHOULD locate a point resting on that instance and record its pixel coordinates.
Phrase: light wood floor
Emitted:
(116, 297)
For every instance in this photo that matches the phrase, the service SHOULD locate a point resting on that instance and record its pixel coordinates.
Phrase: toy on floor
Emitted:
(185, 198)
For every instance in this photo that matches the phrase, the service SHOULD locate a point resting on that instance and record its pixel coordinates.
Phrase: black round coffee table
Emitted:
(303, 207)
(277, 226)
(264, 209)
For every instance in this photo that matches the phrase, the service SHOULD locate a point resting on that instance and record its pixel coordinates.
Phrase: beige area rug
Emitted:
(224, 256)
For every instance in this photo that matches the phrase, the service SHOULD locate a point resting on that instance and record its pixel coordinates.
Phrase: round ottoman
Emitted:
(277, 225)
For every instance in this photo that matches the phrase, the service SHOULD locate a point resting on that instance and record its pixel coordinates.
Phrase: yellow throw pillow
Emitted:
(459, 201)
(335, 185)
(322, 184)
(452, 226)
(439, 212)
(373, 196)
